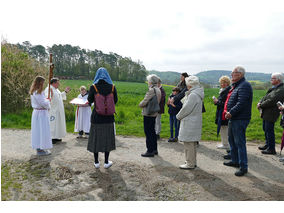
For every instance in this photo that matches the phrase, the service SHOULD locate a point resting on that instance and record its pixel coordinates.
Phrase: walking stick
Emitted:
(51, 67)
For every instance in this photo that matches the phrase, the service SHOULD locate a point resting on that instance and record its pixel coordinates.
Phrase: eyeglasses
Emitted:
(273, 79)
(233, 73)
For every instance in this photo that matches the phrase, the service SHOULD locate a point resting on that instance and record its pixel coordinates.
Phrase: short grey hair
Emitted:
(153, 79)
(278, 76)
(192, 81)
(240, 69)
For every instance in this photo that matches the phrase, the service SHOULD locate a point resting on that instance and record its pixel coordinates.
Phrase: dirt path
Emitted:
(68, 174)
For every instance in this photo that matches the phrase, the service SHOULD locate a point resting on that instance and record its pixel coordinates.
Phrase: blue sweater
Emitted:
(240, 102)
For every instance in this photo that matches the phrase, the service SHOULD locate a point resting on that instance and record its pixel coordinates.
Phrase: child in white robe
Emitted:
(83, 115)
(40, 126)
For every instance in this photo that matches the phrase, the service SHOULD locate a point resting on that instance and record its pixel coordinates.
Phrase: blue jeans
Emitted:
(174, 121)
(237, 140)
(149, 130)
(268, 128)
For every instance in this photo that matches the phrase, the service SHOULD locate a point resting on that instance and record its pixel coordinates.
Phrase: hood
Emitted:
(102, 74)
(198, 90)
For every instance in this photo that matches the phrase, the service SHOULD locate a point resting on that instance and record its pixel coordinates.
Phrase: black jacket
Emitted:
(174, 110)
(220, 106)
(240, 102)
(104, 89)
(270, 111)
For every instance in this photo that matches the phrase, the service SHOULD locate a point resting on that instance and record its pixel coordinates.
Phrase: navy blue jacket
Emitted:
(174, 110)
(240, 102)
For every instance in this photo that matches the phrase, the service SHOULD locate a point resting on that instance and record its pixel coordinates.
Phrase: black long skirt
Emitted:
(101, 138)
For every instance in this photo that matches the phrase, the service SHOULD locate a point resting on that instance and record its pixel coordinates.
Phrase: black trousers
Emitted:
(149, 130)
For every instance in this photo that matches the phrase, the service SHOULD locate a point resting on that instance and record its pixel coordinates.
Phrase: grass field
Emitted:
(129, 120)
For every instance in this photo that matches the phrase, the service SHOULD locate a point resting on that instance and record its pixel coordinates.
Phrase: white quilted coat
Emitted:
(191, 115)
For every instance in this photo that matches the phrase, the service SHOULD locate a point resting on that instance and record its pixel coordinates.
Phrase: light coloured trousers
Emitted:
(158, 124)
(224, 136)
(190, 153)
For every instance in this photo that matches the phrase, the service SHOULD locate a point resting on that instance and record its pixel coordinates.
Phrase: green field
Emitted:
(129, 120)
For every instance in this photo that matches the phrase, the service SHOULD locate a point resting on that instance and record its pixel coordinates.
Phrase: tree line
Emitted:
(72, 62)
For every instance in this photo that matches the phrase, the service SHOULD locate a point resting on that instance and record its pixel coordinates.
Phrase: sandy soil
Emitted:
(68, 173)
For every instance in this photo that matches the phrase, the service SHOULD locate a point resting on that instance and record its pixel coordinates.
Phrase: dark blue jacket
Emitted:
(175, 110)
(220, 106)
(240, 102)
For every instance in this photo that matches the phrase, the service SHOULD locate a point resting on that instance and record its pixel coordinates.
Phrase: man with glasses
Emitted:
(237, 110)
(270, 112)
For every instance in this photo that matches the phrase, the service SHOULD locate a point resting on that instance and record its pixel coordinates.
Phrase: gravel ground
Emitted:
(68, 173)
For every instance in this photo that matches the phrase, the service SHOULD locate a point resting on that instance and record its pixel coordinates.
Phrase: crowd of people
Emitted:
(185, 108)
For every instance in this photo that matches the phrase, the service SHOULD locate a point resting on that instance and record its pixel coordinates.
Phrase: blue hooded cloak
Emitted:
(102, 74)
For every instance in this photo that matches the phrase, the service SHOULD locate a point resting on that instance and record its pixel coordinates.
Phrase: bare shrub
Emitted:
(18, 70)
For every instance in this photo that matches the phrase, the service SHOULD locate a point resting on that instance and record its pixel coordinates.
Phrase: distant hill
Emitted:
(168, 77)
(212, 76)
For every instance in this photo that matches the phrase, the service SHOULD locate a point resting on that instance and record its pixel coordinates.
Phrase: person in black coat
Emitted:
(220, 120)
(102, 130)
(173, 111)
(270, 112)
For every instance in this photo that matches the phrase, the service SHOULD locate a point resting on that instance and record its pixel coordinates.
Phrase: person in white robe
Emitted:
(83, 114)
(40, 125)
(56, 112)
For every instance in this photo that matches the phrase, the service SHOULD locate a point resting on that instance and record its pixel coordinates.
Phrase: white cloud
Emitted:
(165, 35)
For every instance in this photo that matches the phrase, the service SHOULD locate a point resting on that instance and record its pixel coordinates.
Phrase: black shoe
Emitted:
(268, 152)
(228, 151)
(148, 154)
(227, 157)
(55, 140)
(241, 172)
(230, 163)
(155, 152)
(263, 147)
(171, 140)
(158, 137)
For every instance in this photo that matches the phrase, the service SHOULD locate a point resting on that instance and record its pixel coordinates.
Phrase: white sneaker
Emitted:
(97, 165)
(185, 166)
(107, 165)
(281, 159)
(221, 146)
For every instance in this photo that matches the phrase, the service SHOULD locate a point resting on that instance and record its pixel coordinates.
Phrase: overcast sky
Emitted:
(183, 36)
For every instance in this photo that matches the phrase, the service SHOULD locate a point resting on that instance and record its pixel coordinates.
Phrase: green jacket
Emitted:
(270, 111)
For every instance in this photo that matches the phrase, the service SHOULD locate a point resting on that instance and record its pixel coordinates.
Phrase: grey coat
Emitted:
(190, 115)
(148, 97)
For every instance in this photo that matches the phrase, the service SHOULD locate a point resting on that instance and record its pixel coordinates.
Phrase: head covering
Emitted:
(102, 74)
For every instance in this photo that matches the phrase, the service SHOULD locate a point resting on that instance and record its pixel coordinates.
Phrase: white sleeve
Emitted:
(63, 95)
(42, 101)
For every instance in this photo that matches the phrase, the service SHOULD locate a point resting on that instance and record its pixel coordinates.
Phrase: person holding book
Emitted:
(83, 114)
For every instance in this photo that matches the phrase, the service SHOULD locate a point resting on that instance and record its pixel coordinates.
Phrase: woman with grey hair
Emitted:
(190, 116)
(149, 119)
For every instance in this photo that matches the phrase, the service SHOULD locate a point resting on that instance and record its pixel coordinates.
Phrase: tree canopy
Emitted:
(72, 62)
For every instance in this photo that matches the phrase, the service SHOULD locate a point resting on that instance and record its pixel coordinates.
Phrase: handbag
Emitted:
(153, 105)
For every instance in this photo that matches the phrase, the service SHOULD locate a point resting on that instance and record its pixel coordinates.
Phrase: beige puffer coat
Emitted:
(190, 115)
